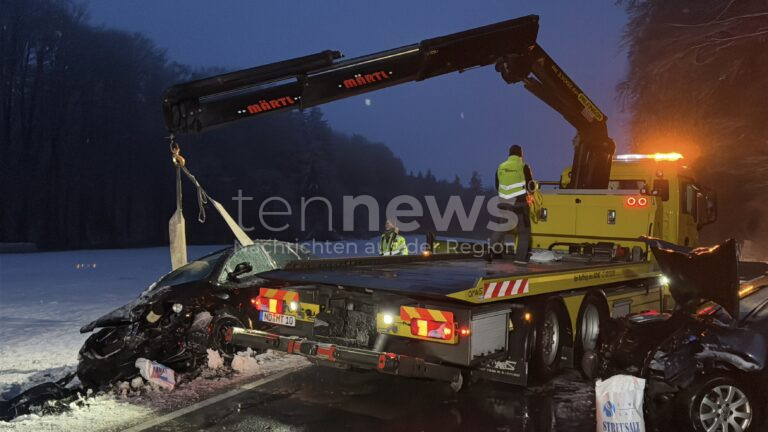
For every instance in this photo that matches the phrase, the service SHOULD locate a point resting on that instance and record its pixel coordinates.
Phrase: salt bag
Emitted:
(619, 404)
(157, 373)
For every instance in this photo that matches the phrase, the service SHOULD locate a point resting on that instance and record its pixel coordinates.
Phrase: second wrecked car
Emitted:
(705, 362)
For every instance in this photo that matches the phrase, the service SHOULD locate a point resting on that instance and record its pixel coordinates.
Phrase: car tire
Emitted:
(220, 324)
(549, 340)
(593, 314)
(714, 399)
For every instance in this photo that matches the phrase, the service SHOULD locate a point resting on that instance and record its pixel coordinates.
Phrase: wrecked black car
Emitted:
(184, 313)
(705, 363)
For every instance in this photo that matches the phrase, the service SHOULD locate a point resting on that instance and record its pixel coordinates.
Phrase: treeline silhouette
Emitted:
(85, 161)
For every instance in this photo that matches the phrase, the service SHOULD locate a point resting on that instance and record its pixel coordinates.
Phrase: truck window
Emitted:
(626, 184)
(689, 202)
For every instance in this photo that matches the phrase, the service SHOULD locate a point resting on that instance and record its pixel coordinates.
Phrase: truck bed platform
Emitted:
(463, 278)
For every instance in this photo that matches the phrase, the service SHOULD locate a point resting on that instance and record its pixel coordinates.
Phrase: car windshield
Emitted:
(196, 270)
(262, 256)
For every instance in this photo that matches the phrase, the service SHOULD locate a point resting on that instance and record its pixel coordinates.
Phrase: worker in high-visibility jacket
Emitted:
(392, 243)
(513, 182)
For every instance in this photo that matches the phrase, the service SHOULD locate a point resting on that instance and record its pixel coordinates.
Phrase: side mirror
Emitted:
(661, 189)
(707, 208)
(711, 206)
(240, 270)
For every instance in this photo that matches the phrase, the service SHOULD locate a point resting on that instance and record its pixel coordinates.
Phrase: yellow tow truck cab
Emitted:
(648, 195)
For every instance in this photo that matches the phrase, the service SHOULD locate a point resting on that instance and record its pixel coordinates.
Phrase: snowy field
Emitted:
(44, 300)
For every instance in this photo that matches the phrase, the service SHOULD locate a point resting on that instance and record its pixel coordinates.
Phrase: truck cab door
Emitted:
(690, 206)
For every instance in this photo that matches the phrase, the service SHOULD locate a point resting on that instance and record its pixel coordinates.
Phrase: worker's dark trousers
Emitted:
(523, 230)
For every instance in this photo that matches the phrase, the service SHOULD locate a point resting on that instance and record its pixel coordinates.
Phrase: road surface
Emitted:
(325, 399)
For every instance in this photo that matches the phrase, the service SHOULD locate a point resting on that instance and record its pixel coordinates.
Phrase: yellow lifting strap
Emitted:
(535, 200)
(177, 225)
(177, 228)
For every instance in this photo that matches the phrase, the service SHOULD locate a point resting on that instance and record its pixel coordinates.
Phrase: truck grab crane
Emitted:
(319, 78)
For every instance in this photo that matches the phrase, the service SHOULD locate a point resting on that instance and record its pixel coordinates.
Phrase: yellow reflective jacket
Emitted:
(511, 178)
(392, 243)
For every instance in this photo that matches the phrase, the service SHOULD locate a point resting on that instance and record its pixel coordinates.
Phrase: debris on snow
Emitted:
(137, 383)
(245, 363)
(214, 359)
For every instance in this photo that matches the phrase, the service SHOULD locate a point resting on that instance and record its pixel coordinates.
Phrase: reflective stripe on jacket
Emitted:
(511, 178)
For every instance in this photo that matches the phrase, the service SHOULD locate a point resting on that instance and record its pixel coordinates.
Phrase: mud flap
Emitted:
(507, 371)
(514, 368)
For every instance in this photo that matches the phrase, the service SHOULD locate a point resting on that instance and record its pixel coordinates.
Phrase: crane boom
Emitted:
(320, 78)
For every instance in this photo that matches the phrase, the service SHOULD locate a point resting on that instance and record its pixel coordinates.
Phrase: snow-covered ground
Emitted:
(46, 297)
(44, 300)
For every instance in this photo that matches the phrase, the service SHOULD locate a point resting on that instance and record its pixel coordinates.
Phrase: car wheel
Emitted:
(549, 343)
(719, 404)
(220, 325)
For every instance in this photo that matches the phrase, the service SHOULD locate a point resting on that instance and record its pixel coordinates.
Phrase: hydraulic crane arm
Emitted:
(319, 78)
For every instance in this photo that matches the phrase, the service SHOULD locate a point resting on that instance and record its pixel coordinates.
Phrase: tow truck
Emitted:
(448, 314)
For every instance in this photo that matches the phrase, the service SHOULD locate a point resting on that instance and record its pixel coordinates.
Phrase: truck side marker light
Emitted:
(528, 317)
(464, 331)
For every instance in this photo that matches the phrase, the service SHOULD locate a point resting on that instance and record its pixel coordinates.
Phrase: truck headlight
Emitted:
(177, 307)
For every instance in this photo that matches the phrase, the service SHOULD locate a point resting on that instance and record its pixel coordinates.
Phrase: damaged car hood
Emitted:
(701, 274)
(133, 310)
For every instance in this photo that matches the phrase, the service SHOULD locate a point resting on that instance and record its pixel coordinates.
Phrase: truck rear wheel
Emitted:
(549, 343)
(593, 313)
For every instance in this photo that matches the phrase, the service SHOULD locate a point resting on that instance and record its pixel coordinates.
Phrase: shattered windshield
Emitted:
(196, 270)
(263, 256)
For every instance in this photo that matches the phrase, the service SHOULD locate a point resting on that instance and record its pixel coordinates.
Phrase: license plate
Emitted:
(286, 320)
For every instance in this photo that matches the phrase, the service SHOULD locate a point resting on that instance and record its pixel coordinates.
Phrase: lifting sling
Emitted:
(177, 226)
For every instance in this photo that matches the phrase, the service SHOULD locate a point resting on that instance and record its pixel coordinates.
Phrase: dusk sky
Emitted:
(453, 124)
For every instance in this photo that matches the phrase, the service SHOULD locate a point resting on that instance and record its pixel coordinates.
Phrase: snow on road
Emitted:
(44, 300)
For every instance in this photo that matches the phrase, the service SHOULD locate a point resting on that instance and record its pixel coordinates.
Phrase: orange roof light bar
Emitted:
(655, 156)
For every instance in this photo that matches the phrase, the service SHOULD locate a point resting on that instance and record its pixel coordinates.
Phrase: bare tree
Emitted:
(697, 79)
